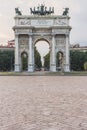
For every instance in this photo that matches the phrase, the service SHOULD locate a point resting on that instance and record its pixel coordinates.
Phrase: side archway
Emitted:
(24, 61)
(59, 61)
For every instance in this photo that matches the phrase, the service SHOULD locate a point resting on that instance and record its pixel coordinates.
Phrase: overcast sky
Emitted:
(77, 12)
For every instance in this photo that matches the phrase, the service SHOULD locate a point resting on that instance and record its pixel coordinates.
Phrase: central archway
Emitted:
(42, 46)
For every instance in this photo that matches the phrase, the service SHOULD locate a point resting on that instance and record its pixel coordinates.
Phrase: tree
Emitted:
(6, 60)
(37, 57)
(24, 57)
(77, 60)
(47, 61)
(85, 66)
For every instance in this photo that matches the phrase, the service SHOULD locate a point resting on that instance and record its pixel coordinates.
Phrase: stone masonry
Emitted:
(43, 103)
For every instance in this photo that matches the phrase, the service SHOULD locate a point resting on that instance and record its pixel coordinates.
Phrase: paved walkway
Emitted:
(43, 103)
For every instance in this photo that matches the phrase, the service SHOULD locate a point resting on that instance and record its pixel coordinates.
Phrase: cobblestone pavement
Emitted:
(43, 103)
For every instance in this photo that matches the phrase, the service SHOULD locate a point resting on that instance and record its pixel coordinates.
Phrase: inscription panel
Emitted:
(42, 22)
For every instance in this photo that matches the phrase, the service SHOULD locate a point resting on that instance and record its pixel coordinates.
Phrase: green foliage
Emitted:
(6, 60)
(47, 61)
(77, 60)
(57, 59)
(85, 66)
(24, 61)
(37, 57)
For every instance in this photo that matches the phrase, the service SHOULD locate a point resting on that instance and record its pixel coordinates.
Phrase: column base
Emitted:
(53, 68)
(17, 68)
(30, 68)
(66, 68)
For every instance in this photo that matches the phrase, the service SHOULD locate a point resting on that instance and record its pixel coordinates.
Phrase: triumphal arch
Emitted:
(42, 24)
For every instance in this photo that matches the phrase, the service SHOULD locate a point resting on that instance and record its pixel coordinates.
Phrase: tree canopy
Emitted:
(77, 60)
(6, 60)
(37, 57)
(47, 61)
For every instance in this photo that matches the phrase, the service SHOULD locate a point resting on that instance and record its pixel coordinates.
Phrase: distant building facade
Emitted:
(9, 46)
(77, 47)
(11, 43)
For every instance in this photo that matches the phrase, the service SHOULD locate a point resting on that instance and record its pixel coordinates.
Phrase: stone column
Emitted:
(30, 57)
(53, 56)
(17, 58)
(67, 60)
(33, 59)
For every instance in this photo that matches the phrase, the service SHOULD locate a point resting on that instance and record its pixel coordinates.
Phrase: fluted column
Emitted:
(53, 56)
(30, 59)
(17, 58)
(67, 60)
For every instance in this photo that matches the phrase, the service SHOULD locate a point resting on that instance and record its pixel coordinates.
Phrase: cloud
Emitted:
(19, 2)
(77, 12)
(3, 36)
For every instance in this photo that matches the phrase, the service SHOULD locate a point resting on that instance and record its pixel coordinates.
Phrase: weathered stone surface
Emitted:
(43, 103)
(54, 29)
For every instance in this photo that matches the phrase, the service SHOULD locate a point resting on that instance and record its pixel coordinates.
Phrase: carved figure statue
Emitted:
(41, 10)
(17, 11)
(66, 11)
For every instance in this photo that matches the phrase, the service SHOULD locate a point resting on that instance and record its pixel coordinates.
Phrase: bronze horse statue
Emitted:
(17, 11)
(66, 11)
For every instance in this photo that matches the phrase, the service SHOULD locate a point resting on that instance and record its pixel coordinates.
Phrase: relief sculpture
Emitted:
(23, 42)
(59, 22)
(24, 22)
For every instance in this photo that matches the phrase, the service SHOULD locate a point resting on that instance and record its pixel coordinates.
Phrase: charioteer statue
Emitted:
(42, 10)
